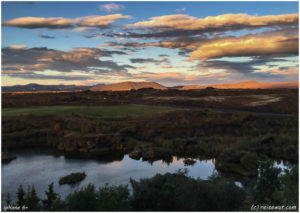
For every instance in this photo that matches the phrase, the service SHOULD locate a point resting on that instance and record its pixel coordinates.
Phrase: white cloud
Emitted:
(111, 7)
(181, 9)
(18, 47)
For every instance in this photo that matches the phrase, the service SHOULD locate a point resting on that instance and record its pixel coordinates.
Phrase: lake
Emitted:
(42, 167)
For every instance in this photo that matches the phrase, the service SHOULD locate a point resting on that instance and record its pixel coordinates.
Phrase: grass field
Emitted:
(103, 112)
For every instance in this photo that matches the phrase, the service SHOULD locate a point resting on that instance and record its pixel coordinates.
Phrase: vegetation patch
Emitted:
(72, 178)
(158, 136)
(7, 157)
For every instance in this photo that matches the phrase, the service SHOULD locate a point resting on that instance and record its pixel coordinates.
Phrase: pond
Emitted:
(42, 167)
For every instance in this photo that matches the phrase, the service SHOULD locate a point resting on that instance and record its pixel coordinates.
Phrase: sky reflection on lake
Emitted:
(41, 169)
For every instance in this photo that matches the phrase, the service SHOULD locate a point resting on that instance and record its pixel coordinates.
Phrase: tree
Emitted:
(113, 198)
(52, 202)
(290, 186)
(8, 200)
(21, 196)
(32, 201)
(266, 190)
(83, 200)
(178, 192)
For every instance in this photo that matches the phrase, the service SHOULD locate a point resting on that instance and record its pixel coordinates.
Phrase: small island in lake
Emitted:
(72, 178)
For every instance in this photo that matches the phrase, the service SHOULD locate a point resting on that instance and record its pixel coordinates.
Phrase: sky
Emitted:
(171, 43)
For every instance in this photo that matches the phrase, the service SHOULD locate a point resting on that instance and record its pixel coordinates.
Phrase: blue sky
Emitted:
(102, 40)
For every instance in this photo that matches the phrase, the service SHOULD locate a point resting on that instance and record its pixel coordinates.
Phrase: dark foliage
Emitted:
(83, 200)
(177, 192)
(52, 201)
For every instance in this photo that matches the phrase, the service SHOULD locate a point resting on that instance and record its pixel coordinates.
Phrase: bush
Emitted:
(83, 200)
(113, 198)
(177, 192)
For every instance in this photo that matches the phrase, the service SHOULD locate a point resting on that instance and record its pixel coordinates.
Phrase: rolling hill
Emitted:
(128, 85)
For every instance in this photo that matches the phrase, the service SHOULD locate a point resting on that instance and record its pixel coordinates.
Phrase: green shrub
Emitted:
(113, 198)
(84, 199)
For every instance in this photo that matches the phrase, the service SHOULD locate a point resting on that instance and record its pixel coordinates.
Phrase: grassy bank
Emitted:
(102, 112)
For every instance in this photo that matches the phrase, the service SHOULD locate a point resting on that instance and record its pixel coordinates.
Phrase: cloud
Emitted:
(156, 76)
(181, 9)
(63, 23)
(289, 71)
(167, 67)
(17, 47)
(20, 69)
(176, 78)
(186, 27)
(257, 68)
(152, 33)
(47, 37)
(148, 60)
(251, 45)
(244, 67)
(141, 68)
(33, 75)
(267, 44)
(81, 29)
(111, 7)
(21, 60)
(39, 22)
(178, 25)
(100, 21)
(225, 21)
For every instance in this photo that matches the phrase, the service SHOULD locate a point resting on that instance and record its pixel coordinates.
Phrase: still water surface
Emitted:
(43, 167)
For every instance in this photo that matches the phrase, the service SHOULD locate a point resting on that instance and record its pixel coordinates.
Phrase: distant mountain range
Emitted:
(125, 86)
(38, 87)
